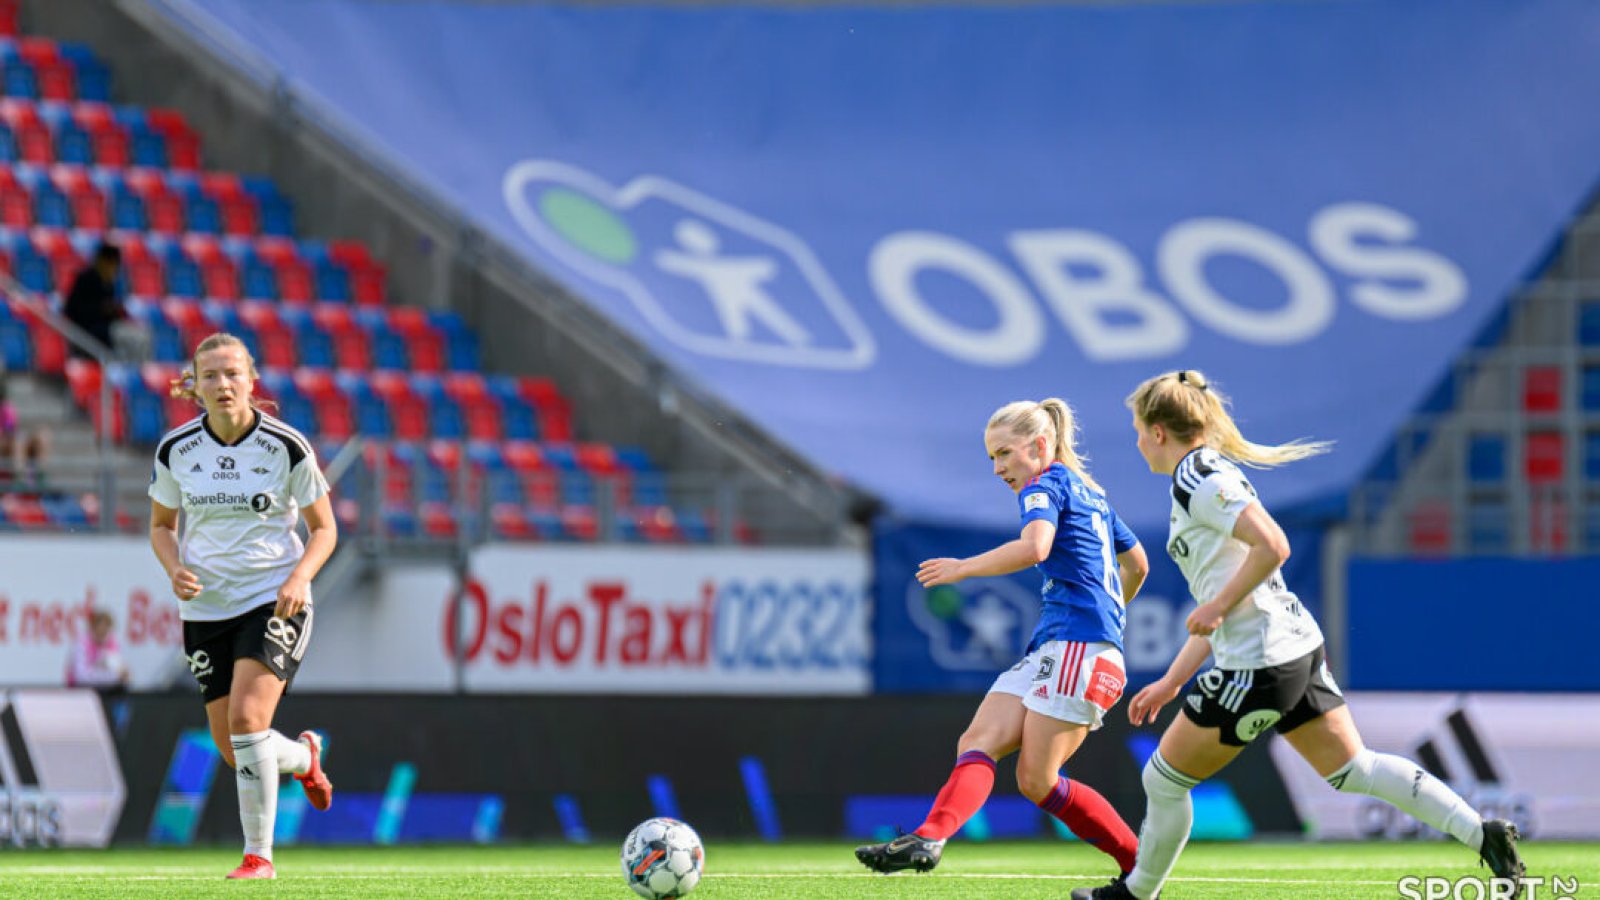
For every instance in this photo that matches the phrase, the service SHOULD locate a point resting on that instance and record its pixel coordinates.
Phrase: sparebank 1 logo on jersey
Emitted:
(722, 282)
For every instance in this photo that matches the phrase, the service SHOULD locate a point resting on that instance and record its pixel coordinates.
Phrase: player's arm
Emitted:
(1269, 550)
(1134, 566)
(164, 541)
(1032, 548)
(323, 532)
(1144, 706)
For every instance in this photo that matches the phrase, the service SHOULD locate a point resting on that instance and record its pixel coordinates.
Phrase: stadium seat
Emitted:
(84, 199)
(1488, 526)
(73, 143)
(314, 345)
(32, 137)
(19, 78)
(50, 207)
(16, 346)
(275, 215)
(107, 137)
(1486, 458)
(406, 411)
(166, 340)
(444, 414)
(53, 76)
(1589, 323)
(16, 204)
(479, 409)
(277, 340)
(163, 209)
(182, 145)
(351, 346)
(1544, 457)
(336, 419)
(388, 347)
(295, 282)
(1541, 389)
(23, 511)
(93, 81)
(371, 412)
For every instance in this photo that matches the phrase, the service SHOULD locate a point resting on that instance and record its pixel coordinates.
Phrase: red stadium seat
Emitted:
(480, 408)
(16, 204)
(183, 145)
(1430, 528)
(143, 270)
(276, 338)
(163, 208)
(89, 209)
(1541, 389)
(34, 143)
(24, 511)
(109, 137)
(335, 418)
(296, 283)
(407, 411)
(56, 76)
(1544, 456)
(56, 246)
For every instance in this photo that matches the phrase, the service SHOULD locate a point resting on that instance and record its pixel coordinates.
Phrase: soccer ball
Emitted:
(662, 858)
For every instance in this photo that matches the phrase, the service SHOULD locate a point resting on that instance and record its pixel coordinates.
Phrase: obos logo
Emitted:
(719, 281)
(976, 626)
(735, 286)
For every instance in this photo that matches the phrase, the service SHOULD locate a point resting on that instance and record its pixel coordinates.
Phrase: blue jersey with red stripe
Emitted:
(1082, 585)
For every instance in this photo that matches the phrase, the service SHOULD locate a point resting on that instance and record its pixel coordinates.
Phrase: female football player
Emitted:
(242, 576)
(1270, 671)
(1071, 672)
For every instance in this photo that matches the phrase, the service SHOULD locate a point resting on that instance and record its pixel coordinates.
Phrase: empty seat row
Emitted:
(45, 260)
(323, 335)
(36, 68)
(141, 200)
(96, 134)
(334, 405)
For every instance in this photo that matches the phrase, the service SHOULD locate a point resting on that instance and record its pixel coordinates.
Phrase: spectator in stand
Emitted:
(94, 304)
(22, 451)
(96, 659)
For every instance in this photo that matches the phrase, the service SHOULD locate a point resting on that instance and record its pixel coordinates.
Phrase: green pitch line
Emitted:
(1001, 871)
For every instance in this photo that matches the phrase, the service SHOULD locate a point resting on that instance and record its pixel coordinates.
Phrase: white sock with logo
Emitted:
(1168, 817)
(1409, 786)
(255, 771)
(294, 758)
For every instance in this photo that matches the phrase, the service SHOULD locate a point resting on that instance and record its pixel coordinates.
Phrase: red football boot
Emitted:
(319, 790)
(254, 867)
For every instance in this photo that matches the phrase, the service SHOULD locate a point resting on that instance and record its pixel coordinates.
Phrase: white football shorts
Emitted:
(1071, 681)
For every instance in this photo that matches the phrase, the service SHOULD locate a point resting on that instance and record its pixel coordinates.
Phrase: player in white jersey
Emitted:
(1270, 671)
(243, 479)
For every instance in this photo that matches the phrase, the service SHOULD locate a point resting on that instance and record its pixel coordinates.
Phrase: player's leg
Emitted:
(1079, 685)
(251, 705)
(993, 734)
(1047, 744)
(1333, 746)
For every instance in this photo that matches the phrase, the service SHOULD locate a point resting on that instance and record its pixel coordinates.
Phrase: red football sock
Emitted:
(961, 796)
(1090, 816)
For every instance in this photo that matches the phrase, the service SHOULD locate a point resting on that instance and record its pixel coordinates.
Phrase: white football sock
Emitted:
(294, 758)
(1169, 814)
(1409, 787)
(256, 773)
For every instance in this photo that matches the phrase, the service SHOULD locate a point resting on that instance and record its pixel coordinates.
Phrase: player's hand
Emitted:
(292, 597)
(1145, 704)
(1206, 618)
(185, 585)
(944, 570)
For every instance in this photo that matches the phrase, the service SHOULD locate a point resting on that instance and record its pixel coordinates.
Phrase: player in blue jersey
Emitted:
(1270, 671)
(1072, 672)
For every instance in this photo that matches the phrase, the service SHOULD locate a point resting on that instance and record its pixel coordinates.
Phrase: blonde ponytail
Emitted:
(1189, 407)
(1053, 418)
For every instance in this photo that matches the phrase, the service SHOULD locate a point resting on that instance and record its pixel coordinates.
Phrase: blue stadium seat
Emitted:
(94, 82)
(1589, 323)
(275, 212)
(371, 413)
(1486, 458)
(1488, 526)
(1591, 456)
(16, 346)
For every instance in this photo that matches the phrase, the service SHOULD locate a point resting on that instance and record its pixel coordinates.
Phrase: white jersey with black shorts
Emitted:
(1270, 669)
(241, 503)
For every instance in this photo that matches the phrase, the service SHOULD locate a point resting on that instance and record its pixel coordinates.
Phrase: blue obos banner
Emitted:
(867, 228)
